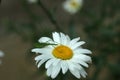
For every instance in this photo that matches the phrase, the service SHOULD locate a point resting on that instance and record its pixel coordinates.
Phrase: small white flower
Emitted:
(32, 1)
(72, 6)
(65, 55)
(1, 55)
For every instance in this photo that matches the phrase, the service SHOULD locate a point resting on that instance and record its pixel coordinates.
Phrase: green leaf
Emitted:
(41, 45)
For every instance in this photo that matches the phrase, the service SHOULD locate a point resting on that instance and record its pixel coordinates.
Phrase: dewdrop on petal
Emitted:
(66, 54)
(72, 6)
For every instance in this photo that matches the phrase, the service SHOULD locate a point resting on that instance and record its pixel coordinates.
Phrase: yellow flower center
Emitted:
(74, 4)
(62, 52)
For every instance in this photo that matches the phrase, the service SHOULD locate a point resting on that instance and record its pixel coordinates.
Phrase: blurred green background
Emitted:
(23, 23)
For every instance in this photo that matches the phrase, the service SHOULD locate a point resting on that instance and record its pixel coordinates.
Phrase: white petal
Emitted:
(42, 50)
(56, 37)
(75, 69)
(82, 51)
(83, 73)
(55, 71)
(56, 62)
(64, 67)
(49, 63)
(73, 41)
(45, 40)
(85, 58)
(81, 62)
(77, 44)
(49, 70)
(68, 39)
(63, 39)
(39, 57)
(44, 56)
(76, 73)
(41, 62)
(36, 50)
(71, 66)
(77, 66)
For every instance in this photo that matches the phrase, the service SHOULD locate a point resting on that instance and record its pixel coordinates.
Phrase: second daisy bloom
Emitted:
(72, 6)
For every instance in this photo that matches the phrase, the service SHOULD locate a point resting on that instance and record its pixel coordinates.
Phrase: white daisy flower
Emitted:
(72, 6)
(65, 54)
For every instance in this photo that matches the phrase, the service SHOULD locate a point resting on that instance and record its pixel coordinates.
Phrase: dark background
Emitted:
(22, 24)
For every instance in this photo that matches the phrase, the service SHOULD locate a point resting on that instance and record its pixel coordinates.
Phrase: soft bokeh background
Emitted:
(22, 24)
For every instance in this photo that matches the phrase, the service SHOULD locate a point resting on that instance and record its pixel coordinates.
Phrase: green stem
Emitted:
(71, 27)
(50, 16)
